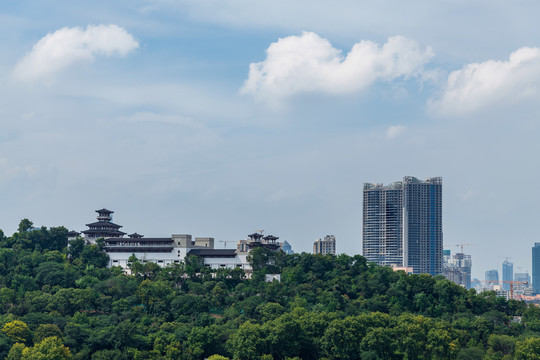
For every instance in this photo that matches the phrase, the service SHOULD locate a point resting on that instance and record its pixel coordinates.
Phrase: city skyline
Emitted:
(211, 117)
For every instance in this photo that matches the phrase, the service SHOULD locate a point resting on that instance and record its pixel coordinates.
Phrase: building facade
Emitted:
(325, 246)
(507, 274)
(402, 224)
(536, 268)
(492, 278)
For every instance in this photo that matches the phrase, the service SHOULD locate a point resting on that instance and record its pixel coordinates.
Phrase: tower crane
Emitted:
(462, 245)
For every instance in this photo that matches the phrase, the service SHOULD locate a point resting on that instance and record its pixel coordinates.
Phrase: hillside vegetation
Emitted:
(59, 303)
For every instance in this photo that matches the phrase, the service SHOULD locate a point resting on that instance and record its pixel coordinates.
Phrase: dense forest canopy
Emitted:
(60, 302)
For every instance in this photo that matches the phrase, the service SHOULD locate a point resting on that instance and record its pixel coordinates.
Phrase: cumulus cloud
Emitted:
(479, 85)
(67, 46)
(309, 63)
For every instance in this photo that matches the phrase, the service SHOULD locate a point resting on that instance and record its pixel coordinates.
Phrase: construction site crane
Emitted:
(462, 245)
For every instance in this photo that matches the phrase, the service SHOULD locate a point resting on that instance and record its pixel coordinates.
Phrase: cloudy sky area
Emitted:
(219, 118)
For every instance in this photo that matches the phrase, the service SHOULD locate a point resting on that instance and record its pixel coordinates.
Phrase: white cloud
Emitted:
(394, 131)
(67, 46)
(309, 63)
(480, 85)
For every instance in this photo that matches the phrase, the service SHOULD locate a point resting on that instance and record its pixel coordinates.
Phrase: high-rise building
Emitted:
(507, 274)
(492, 277)
(522, 278)
(457, 268)
(326, 246)
(402, 224)
(536, 268)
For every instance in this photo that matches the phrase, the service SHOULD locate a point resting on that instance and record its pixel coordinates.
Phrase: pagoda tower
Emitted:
(104, 227)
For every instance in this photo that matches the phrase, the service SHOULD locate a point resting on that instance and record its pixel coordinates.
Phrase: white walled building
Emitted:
(174, 249)
(167, 251)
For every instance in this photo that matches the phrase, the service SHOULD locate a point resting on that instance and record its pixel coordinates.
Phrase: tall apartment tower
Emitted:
(326, 246)
(536, 268)
(402, 224)
(507, 274)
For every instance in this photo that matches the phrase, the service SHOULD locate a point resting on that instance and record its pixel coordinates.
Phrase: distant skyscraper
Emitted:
(402, 224)
(287, 248)
(457, 268)
(507, 274)
(326, 246)
(492, 277)
(522, 278)
(536, 268)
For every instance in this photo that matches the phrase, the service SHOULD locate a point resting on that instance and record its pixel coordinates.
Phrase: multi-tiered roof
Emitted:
(104, 227)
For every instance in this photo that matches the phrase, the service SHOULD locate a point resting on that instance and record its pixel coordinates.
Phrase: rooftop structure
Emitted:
(104, 227)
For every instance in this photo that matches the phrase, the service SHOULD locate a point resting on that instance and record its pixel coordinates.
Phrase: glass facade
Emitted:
(536, 268)
(507, 274)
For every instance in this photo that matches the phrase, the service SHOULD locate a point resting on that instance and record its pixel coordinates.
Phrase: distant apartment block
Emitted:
(325, 246)
(457, 268)
(402, 224)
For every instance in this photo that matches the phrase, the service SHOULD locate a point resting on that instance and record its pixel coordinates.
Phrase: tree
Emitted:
(50, 348)
(17, 331)
(47, 330)
(76, 247)
(248, 342)
(528, 349)
(16, 352)
(25, 225)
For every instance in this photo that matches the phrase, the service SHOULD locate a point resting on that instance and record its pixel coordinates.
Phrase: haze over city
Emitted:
(221, 118)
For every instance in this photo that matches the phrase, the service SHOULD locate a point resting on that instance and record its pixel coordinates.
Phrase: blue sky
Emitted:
(218, 118)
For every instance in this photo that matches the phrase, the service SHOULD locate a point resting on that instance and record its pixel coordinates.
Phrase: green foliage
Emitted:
(50, 348)
(528, 349)
(59, 302)
(17, 331)
(47, 330)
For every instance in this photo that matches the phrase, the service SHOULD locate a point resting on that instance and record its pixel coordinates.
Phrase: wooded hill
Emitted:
(65, 304)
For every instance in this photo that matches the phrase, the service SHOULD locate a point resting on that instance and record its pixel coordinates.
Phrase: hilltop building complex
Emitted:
(173, 249)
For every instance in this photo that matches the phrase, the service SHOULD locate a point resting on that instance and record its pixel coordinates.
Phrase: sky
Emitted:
(219, 118)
